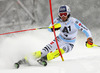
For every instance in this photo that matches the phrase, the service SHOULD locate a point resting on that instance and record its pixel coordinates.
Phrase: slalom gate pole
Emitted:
(24, 30)
(54, 30)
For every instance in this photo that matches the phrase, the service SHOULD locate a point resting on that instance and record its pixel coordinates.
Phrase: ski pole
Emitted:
(57, 25)
(91, 46)
(24, 30)
(96, 45)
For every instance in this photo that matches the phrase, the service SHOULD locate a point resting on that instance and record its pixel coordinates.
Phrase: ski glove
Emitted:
(57, 26)
(89, 42)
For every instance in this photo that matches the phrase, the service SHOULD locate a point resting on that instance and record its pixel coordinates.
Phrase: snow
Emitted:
(79, 60)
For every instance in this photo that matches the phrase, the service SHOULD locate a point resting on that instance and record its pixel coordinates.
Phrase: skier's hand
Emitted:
(56, 25)
(89, 42)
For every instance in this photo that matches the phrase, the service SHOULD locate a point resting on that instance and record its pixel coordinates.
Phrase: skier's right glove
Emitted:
(57, 26)
(89, 42)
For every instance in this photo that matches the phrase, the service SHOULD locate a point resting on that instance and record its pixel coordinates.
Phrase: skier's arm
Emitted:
(85, 30)
(57, 26)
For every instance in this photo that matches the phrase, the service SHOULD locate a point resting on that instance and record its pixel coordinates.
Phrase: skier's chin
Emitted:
(64, 18)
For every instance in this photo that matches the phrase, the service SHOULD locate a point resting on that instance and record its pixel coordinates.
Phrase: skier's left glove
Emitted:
(89, 42)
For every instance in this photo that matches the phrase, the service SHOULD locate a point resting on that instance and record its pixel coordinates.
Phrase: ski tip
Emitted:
(16, 65)
(45, 63)
(42, 62)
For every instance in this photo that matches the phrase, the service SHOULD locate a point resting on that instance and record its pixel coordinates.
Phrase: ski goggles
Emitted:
(62, 14)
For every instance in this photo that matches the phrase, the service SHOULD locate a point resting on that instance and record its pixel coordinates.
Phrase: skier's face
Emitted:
(63, 16)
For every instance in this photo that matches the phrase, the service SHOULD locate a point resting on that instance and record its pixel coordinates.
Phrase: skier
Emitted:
(68, 27)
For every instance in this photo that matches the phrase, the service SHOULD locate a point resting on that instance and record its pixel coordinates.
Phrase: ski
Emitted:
(42, 62)
(20, 62)
(16, 65)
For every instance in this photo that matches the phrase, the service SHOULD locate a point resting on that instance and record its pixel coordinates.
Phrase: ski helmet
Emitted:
(64, 9)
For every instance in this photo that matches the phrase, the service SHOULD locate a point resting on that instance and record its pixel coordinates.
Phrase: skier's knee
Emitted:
(68, 48)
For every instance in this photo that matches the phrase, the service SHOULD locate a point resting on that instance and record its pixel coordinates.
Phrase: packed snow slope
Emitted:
(79, 60)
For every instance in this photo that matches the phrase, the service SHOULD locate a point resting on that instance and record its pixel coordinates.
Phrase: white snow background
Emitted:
(79, 60)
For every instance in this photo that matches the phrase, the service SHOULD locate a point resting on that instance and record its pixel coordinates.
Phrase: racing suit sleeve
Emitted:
(83, 28)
